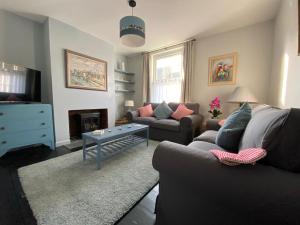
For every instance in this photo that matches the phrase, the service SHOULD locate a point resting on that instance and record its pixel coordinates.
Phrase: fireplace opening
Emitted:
(81, 121)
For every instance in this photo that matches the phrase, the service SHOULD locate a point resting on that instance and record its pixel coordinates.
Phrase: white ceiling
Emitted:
(167, 21)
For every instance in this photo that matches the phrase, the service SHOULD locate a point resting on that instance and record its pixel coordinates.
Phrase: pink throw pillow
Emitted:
(146, 111)
(221, 122)
(246, 156)
(181, 112)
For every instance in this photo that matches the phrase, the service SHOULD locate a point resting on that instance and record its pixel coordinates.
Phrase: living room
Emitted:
(123, 112)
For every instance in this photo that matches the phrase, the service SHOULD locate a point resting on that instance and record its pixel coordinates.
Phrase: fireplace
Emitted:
(81, 121)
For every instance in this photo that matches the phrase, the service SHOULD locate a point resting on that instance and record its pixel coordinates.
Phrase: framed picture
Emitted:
(85, 72)
(222, 69)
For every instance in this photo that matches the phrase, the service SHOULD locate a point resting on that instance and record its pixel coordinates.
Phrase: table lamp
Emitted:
(241, 95)
(129, 104)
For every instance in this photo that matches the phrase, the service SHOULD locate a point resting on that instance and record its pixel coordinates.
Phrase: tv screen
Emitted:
(19, 84)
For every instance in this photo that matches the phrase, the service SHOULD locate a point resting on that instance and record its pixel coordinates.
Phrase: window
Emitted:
(166, 76)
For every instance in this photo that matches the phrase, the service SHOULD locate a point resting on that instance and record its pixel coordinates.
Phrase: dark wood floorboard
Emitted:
(14, 207)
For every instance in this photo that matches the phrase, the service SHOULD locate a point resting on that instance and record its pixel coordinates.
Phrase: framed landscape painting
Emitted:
(85, 72)
(222, 69)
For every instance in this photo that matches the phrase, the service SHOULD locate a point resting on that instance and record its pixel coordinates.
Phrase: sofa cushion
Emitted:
(207, 136)
(163, 111)
(191, 106)
(144, 120)
(284, 150)
(146, 111)
(166, 124)
(205, 146)
(181, 112)
(245, 156)
(230, 133)
(263, 127)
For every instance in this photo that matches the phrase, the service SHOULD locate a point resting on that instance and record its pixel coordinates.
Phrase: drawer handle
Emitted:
(1, 113)
(2, 128)
(42, 111)
(43, 124)
(44, 135)
(3, 142)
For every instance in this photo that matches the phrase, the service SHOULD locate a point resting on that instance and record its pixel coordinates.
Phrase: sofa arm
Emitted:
(212, 124)
(131, 115)
(191, 121)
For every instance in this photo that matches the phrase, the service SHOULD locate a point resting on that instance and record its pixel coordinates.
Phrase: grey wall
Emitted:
(61, 37)
(284, 88)
(254, 45)
(22, 43)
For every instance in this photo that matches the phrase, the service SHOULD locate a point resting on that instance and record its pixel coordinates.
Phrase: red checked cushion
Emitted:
(246, 156)
(181, 112)
(146, 111)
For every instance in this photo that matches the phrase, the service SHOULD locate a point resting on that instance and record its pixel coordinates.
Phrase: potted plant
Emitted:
(215, 108)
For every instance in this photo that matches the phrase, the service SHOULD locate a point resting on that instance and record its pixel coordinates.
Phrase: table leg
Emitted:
(84, 149)
(98, 159)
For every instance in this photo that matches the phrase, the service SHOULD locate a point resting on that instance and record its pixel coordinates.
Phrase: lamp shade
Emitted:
(132, 31)
(129, 103)
(242, 94)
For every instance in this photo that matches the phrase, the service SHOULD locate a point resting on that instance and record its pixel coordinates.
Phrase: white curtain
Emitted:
(166, 76)
(12, 81)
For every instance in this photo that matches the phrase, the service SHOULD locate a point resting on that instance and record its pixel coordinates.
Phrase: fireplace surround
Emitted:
(85, 120)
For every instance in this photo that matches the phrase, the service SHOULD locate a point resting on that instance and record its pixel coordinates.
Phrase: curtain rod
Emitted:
(170, 46)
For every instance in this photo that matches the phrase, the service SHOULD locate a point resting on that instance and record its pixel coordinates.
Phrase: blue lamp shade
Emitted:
(132, 31)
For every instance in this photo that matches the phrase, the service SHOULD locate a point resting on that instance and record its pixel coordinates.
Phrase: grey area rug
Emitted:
(68, 191)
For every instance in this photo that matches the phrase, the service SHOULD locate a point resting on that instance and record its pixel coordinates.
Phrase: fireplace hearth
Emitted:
(81, 121)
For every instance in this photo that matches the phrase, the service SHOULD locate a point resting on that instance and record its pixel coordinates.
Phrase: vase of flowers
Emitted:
(215, 108)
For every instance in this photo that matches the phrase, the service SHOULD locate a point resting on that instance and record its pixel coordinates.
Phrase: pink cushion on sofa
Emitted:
(181, 111)
(221, 122)
(246, 156)
(146, 111)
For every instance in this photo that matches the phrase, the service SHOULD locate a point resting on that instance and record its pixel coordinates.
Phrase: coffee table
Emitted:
(114, 140)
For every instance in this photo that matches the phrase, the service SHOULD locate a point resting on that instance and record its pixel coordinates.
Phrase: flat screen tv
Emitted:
(19, 84)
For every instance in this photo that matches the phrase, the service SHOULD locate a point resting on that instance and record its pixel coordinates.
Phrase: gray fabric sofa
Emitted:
(182, 131)
(195, 188)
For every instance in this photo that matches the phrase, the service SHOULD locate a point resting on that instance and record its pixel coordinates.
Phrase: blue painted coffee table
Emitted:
(114, 140)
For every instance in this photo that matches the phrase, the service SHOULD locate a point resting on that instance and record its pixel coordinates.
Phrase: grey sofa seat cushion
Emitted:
(145, 120)
(207, 136)
(206, 146)
(263, 127)
(166, 124)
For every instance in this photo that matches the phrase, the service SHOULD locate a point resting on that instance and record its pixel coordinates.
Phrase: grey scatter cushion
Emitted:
(163, 111)
(230, 133)
(207, 136)
(263, 128)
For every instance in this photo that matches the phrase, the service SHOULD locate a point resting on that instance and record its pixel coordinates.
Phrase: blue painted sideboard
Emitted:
(25, 124)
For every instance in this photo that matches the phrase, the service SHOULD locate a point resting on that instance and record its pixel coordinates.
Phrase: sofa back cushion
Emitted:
(231, 132)
(263, 127)
(284, 150)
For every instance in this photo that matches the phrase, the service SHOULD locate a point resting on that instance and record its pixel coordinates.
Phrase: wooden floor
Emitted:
(14, 208)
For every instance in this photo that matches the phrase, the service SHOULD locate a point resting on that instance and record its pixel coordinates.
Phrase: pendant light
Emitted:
(132, 29)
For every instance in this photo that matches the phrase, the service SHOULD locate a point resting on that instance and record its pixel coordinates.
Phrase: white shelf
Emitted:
(124, 72)
(128, 91)
(124, 81)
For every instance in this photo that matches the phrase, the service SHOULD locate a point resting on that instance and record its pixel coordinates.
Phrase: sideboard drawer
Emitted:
(8, 141)
(19, 112)
(23, 125)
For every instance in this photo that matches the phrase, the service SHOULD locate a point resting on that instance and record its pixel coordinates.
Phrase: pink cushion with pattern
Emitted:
(146, 111)
(181, 112)
(246, 156)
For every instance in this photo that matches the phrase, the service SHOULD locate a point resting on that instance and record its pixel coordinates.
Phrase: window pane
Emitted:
(167, 77)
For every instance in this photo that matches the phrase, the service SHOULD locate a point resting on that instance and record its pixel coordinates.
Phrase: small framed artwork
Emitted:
(85, 72)
(222, 69)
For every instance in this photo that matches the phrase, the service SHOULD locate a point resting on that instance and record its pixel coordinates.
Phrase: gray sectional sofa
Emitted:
(195, 188)
(182, 131)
